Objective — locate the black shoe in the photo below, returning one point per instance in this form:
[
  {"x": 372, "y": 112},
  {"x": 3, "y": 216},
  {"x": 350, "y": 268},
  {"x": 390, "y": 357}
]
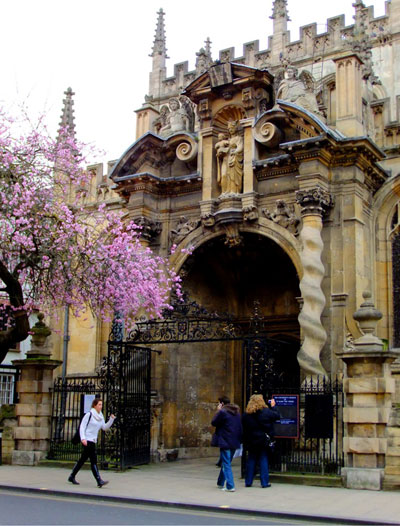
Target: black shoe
[
  {"x": 267, "y": 486},
  {"x": 72, "y": 479},
  {"x": 248, "y": 485},
  {"x": 101, "y": 483}
]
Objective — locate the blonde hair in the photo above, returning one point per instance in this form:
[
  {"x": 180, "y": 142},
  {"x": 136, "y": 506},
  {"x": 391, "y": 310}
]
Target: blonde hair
[{"x": 256, "y": 403}]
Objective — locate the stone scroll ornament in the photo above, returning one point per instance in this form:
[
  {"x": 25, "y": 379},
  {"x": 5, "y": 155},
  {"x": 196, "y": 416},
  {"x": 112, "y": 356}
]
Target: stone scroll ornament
[
  {"x": 314, "y": 205},
  {"x": 187, "y": 150}
]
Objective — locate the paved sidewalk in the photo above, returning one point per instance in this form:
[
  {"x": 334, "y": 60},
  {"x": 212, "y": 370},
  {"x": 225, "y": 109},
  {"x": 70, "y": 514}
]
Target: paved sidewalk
[{"x": 193, "y": 483}]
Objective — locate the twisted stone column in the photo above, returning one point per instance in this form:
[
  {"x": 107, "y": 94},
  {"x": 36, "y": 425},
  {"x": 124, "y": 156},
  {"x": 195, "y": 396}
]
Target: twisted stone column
[{"x": 314, "y": 204}]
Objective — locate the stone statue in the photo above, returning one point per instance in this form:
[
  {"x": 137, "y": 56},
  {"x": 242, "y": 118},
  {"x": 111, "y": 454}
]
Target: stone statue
[
  {"x": 298, "y": 89},
  {"x": 230, "y": 160},
  {"x": 203, "y": 62},
  {"x": 177, "y": 116}
]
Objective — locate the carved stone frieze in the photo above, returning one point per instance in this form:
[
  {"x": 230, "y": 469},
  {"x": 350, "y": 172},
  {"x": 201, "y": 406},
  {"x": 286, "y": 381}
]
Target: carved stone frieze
[
  {"x": 204, "y": 110},
  {"x": 183, "y": 228},
  {"x": 248, "y": 98},
  {"x": 284, "y": 215},
  {"x": 149, "y": 229},
  {"x": 233, "y": 237},
  {"x": 314, "y": 201},
  {"x": 208, "y": 220},
  {"x": 349, "y": 343},
  {"x": 250, "y": 213}
]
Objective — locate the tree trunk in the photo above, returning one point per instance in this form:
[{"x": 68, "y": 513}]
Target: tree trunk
[{"x": 20, "y": 330}]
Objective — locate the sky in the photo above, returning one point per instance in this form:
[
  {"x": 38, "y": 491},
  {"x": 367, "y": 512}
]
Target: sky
[{"x": 101, "y": 49}]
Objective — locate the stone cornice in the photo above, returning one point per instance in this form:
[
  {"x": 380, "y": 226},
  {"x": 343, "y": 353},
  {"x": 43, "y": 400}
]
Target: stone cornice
[{"x": 152, "y": 184}]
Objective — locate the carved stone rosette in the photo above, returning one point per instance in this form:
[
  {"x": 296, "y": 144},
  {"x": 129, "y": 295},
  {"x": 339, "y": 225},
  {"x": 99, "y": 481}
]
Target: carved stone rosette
[{"x": 314, "y": 203}]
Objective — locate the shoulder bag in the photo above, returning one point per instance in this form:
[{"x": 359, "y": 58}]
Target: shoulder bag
[{"x": 76, "y": 439}]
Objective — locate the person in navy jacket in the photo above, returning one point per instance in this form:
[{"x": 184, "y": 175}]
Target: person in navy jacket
[{"x": 227, "y": 437}]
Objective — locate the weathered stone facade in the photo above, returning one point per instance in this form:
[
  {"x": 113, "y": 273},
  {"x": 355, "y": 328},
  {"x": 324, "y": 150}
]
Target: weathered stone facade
[{"x": 279, "y": 170}]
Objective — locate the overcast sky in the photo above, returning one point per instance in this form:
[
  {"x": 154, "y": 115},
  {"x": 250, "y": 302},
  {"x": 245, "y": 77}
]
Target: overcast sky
[{"x": 100, "y": 48}]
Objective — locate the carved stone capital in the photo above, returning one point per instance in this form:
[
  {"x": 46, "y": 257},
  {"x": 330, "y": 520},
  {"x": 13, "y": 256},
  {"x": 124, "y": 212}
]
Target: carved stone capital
[{"x": 314, "y": 201}]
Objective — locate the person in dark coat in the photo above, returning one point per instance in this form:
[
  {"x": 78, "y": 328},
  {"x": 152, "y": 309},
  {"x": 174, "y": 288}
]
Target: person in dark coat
[
  {"x": 227, "y": 437},
  {"x": 258, "y": 420}
]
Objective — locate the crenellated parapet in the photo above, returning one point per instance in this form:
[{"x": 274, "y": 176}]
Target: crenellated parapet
[{"x": 313, "y": 47}]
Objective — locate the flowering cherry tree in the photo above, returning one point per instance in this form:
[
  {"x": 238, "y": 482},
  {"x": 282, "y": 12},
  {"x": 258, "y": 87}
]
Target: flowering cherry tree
[{"x": 54, "y": 251}]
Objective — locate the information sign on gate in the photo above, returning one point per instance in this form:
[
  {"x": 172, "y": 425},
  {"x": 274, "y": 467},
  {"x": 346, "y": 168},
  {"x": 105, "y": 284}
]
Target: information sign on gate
[{"x": 288, "y": 407}]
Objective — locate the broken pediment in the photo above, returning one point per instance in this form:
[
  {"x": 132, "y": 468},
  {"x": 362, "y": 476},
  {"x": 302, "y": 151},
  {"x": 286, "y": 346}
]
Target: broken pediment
[
  {"x": 154, "y": 155},
  {"x": 228, "y": 81}
]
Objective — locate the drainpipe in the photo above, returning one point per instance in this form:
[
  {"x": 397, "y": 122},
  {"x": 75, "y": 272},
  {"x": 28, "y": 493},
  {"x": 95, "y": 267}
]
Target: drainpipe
[{"x": 66, "y": 340}]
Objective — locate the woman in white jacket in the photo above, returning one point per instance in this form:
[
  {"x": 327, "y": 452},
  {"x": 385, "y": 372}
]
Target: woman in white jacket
[{"x": 90, "y": 426}]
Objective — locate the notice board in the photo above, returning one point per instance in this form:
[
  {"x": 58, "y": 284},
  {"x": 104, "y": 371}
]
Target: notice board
[{"x": 288, "y": 407}]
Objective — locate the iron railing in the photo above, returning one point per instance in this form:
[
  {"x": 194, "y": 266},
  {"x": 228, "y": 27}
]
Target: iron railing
[
  {"x": 69, "y": 398},
  {"x": 318, "y": 447}
]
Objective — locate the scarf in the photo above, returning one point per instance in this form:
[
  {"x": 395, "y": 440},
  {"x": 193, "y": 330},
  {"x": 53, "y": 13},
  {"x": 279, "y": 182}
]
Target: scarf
[{"x": 97, "y": 416}]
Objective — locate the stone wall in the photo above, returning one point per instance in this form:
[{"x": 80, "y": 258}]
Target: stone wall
[{"x": 8, "y": 421}]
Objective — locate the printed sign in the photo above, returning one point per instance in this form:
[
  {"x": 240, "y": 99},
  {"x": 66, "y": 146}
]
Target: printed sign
[
  {"x": 87, "y": 402},
  {"x": 288, "y": 407}
]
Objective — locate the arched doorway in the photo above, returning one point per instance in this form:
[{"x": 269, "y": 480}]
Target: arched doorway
[{"x": 229, "y": 281}]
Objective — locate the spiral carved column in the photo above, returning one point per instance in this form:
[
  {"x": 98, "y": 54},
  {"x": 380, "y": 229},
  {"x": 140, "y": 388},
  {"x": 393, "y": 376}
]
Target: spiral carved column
[{"x": 314, "y": 204}]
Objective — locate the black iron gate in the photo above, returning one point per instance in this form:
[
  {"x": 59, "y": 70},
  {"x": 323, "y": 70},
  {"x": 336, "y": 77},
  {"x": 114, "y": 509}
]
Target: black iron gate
[
  {"x": 123, "y": 383},
  {"x": 127, "y": 373}
]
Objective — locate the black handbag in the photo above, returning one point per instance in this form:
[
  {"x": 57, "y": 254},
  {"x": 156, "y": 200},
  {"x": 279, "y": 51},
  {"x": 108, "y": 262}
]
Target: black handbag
[
  {"x": 76, "y": 439},
  {"x": 270, "y": 443}
]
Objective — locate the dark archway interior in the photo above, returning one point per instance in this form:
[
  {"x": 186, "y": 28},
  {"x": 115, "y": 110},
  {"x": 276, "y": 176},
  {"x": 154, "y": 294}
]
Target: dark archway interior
[
  {"x": 193, "y": 375},
  {"x": 224, "y": 279}
]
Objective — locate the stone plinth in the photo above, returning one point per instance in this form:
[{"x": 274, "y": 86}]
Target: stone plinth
[
  {"x": 369, "y": 388},
  {"x": 32, "y": 433}
]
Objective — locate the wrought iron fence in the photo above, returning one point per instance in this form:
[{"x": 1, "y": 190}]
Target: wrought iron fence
[
  {"x": 70, "y": 396},
  {"x": 123, "y": 383},
  {"x": 318, "y": 447}
]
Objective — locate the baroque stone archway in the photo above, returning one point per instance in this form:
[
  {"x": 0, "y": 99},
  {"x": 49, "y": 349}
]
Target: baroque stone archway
[{"x": 223, "y": 279}]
